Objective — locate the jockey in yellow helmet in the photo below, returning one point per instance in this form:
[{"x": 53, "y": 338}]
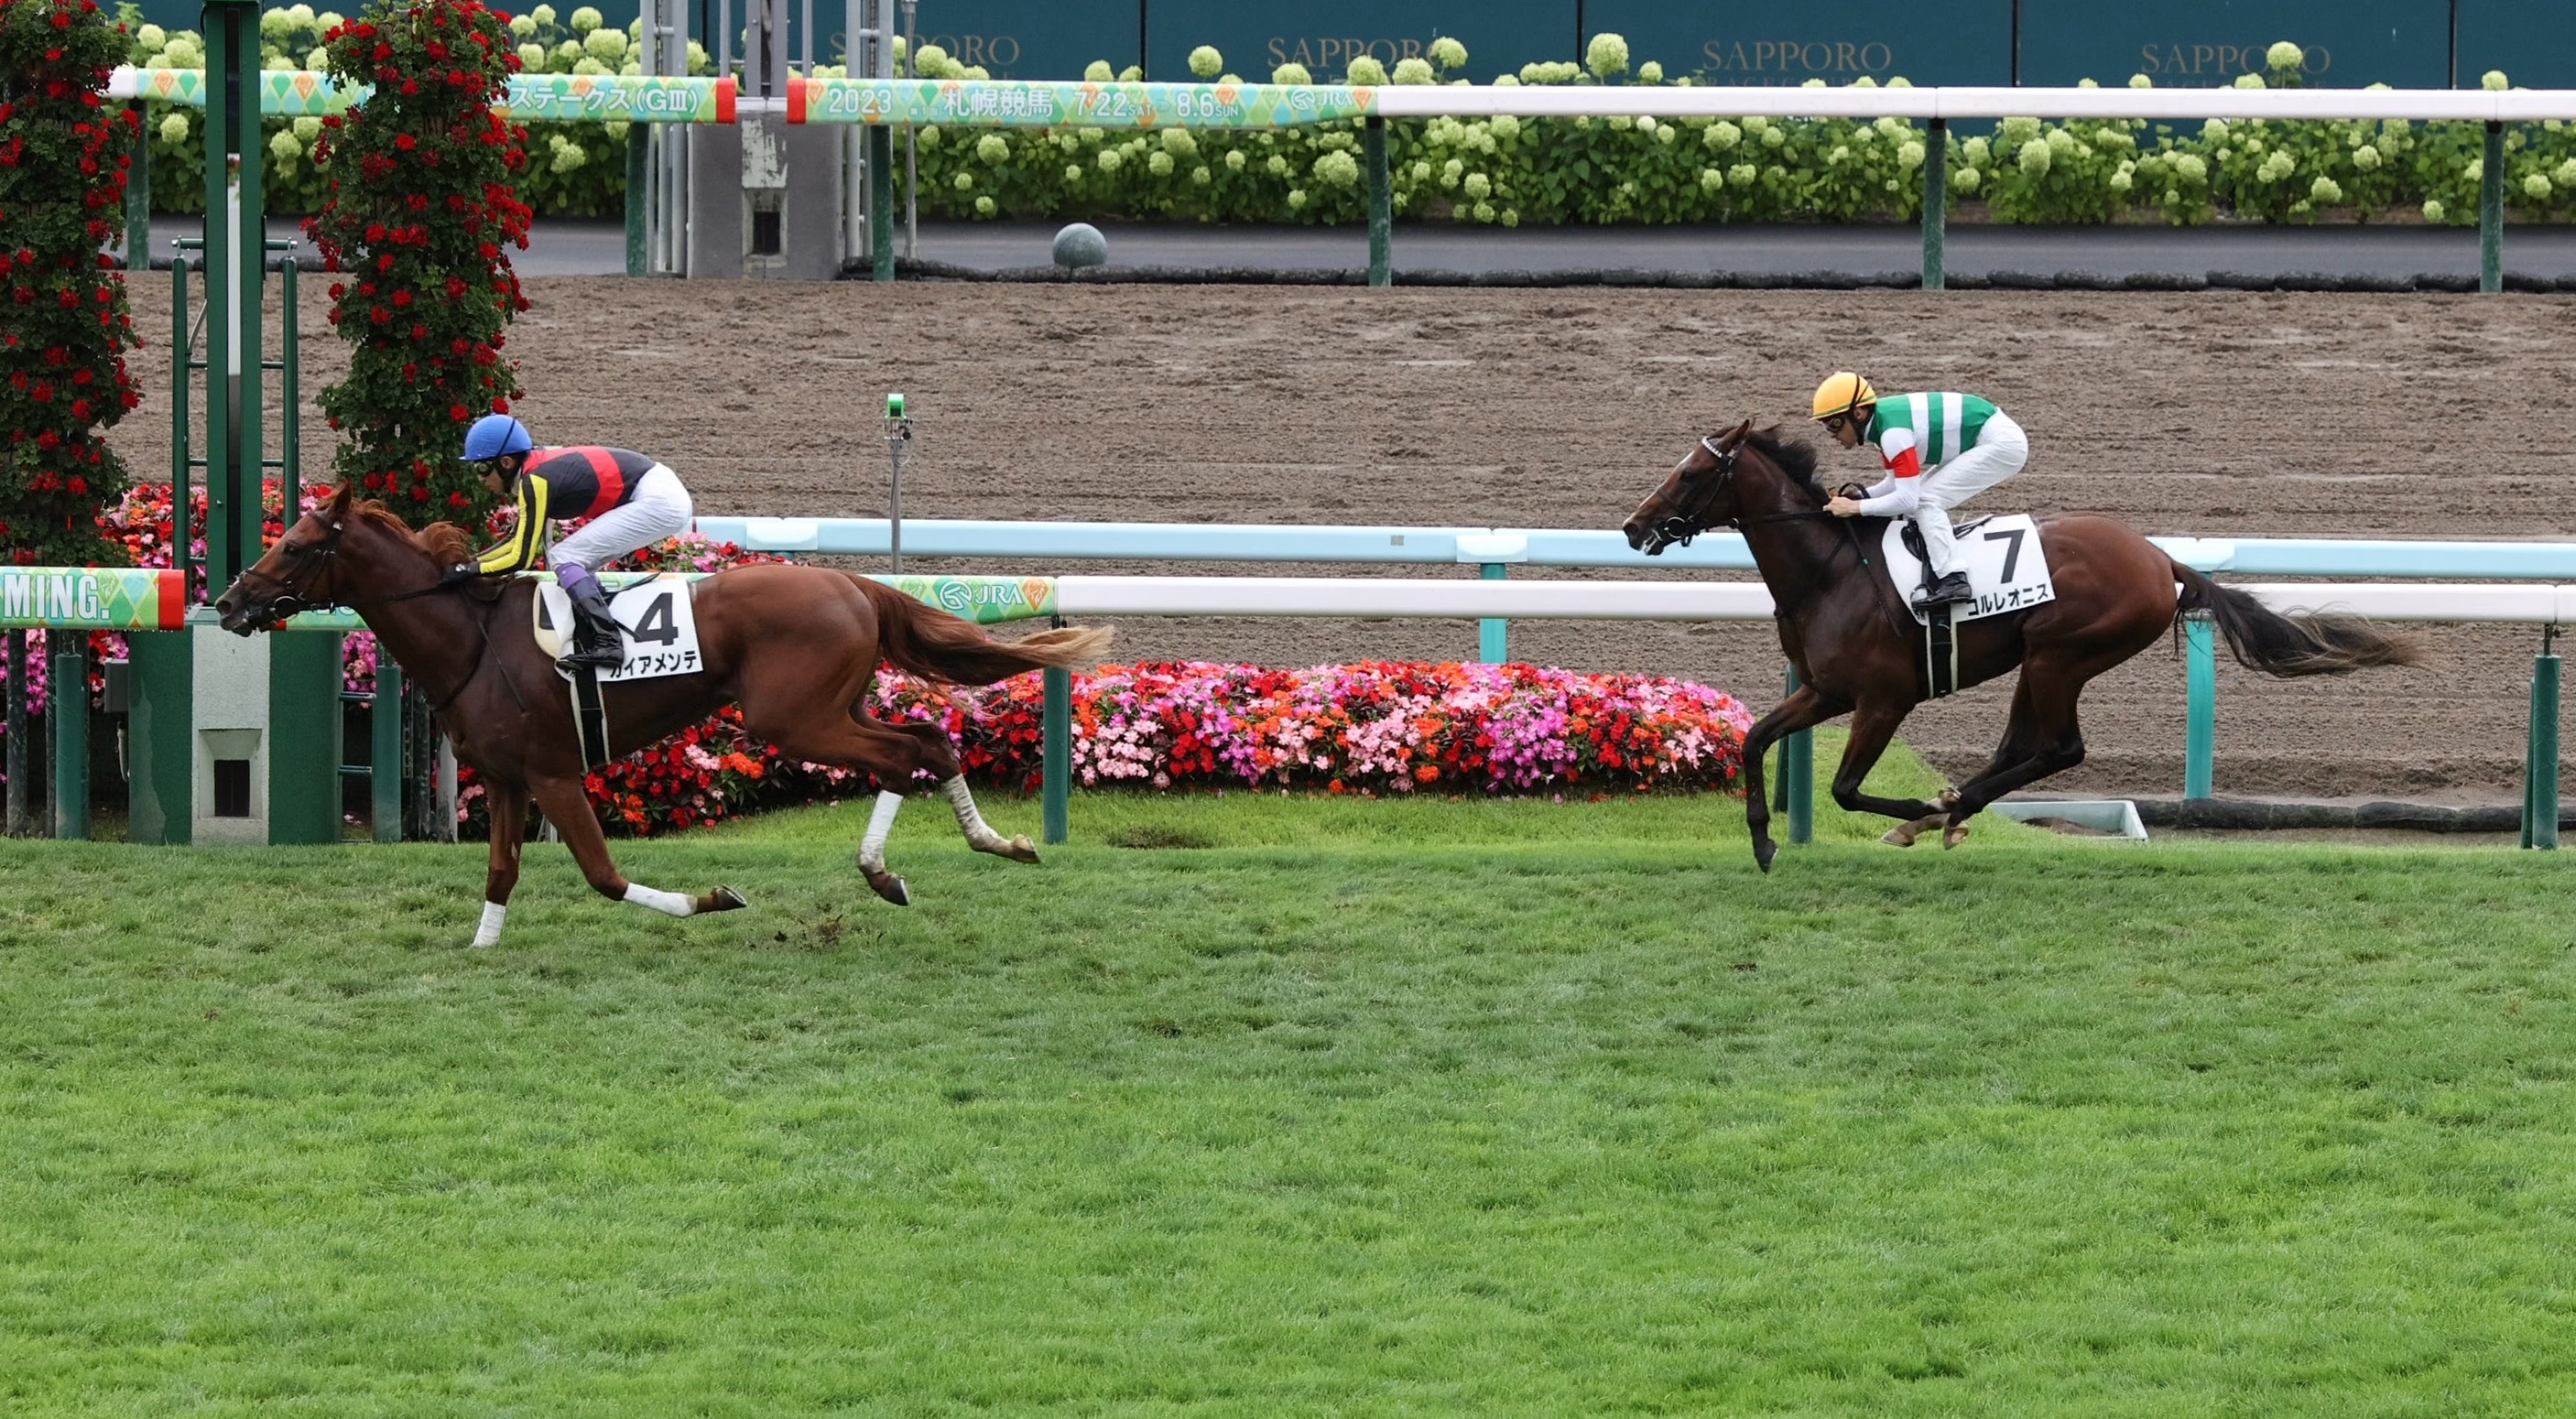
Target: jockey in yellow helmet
[{"x": 1937, "y": 450}]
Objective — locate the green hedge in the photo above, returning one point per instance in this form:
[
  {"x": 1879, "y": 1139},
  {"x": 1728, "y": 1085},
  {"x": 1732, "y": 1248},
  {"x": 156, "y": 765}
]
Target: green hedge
[{"x": 1510, "y": 171}]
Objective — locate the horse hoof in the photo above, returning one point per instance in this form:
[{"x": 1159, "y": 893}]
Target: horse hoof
[
  {"x": 1021, "y": 849},
  {"x": 1763, "y": 852},
  {"x": 724, "y": 899},
  {"x": 890, "y": 887},
  {"x": 1902, "y": 835},
  {"x": 1954, "y": 835}
]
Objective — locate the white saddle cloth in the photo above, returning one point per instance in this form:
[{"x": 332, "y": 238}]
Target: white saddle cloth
[
  {"x": 2007, "y": 568},
  {"x": 656, "y": 616}
]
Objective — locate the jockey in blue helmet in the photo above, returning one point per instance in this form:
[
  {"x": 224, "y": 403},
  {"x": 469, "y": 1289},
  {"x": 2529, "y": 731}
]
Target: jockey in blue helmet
[{"x": 630, "y": 500}]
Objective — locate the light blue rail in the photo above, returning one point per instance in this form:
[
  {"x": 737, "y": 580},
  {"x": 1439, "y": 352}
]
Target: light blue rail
[
  {"x": 1562, "y": 547},
  {"x": 1494, "y": 550}
]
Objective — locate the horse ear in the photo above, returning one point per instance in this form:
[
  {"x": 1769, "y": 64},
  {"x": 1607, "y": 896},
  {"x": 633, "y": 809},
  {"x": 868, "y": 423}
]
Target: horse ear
[
  {"x": 340, "y": 499},
  {"x": 1736, "y": 435}
]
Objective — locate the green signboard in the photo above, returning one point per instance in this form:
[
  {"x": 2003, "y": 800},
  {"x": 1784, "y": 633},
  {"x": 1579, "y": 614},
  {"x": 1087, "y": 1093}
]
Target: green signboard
[
  {"x": 1739, "y": 42},
  {"x": 2535, "y": 45},
  {"x": 2207, "y": 43}
]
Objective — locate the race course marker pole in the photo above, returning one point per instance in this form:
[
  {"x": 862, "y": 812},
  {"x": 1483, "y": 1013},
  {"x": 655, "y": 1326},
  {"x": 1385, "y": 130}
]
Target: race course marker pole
[
  {"x": 898, "y": 436},
  {"x": 1936, "y": 201}
]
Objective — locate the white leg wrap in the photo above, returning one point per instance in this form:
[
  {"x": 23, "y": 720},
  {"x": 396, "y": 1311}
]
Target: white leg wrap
[
  {"x": 671, "y": 903},
  {"x": 977, "y": 831},
  {"x": 489, "y": 933},
  {"x": 880, "y": 823}
]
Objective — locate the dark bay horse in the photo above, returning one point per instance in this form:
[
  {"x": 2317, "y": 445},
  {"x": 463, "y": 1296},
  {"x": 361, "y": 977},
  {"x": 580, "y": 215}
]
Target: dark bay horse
[
  {"x": 1857, "y": 649},
  {"x": 795, "y": 646}
]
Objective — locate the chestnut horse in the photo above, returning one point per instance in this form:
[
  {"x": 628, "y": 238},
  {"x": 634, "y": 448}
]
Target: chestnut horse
[
  {"x": 796, "y": 646},
  {"x": 1857, "y": 648}
]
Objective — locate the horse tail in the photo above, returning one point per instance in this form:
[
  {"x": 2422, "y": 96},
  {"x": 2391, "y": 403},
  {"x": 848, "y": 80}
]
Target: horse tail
[
  {"x": 934, "y": 644},
  {"x": 2263, "y": 639}
]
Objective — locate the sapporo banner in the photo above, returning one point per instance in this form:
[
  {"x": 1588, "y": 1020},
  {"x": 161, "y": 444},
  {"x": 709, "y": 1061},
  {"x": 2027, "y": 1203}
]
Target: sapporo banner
[
  {"x": 1324, "y": 36},
  {"x": 1776, "y": 45},
  {"x": 2210, "y": 43}
]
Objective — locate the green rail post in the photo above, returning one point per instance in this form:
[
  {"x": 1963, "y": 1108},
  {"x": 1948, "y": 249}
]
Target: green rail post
[
  {"x": 881, "y": 201},
  {"x": 70, "y": 713},
  {"x": 2540, "y": 767},
  {"x": 138, "y": 196},
  {"x": 1798, "y": 772},
  {"x": 1057, "y": 751},
  {"x": 385, "y": 751},
  {"x": 1936, "y": 202},
  {"x": 19, "y": 759},
  {"x": 182, "y": 512},
  {"x": 2491, "y": 211},
  {"x": 236, "y": 250},
  {"x": 290, "y": 451},
  {"x": 1493, "y": 633},
  {"x": 2200, "y": 732},
  {"x": 1381, "y": 204},
  {"x": 639, "y": 151}
]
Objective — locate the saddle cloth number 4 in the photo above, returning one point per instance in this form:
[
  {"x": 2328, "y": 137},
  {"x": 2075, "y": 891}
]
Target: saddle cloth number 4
[
  {"x": 656, "y": 617},
  {"x": 2007, "y": 568}
]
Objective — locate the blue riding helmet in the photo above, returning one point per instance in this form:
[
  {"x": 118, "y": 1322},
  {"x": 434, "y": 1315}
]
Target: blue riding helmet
[{"x": 494, "y": 435}]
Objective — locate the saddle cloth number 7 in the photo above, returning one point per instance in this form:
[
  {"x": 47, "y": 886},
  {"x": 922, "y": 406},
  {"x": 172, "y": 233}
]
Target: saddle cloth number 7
[{"x": 2007, "y": 568}]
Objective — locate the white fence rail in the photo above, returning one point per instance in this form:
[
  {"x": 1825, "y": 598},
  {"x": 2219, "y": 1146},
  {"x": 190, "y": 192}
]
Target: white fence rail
[{"x": 1381, "y": 597}]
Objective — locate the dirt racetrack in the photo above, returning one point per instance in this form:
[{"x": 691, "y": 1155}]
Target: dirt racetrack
[{"x": 2206, "y": 413}]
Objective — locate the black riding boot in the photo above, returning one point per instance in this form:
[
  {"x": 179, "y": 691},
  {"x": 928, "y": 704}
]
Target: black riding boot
[
  {"x": 1948, "y": 590},
  {"x": 595, "y": 641}
]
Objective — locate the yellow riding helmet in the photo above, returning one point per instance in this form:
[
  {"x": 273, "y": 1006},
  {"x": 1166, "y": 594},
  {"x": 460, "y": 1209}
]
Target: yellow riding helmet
[{"x": 1841, "y": 393}]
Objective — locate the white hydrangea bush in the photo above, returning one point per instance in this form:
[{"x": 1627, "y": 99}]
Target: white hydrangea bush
[{"x": 1507, "y": 171}]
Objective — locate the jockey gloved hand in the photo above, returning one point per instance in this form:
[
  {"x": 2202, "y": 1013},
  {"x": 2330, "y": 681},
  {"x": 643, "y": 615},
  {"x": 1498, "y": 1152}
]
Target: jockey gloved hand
[
  {"x": 458, "y": 574},
  {"x": 1853, "y": 491}
]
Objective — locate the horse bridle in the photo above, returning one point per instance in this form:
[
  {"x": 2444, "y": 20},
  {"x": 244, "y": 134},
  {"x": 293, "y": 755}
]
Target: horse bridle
[
  {"x": 290, "y": 599},
  {"x": 1679, "y": 528}
]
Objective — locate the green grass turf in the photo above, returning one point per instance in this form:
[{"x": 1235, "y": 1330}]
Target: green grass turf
[{"x": 1380, "y": 1108}]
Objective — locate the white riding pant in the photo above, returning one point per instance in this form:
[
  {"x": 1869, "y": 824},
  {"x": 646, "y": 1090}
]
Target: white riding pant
[
  {"x": 2002, "y": 448},
  {"x": 660, "y": 509}
]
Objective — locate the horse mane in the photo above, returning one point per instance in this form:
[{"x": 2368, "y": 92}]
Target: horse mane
[
  {"x": 1793, "y": 456},
  {"x": 445, "y": 541}
]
